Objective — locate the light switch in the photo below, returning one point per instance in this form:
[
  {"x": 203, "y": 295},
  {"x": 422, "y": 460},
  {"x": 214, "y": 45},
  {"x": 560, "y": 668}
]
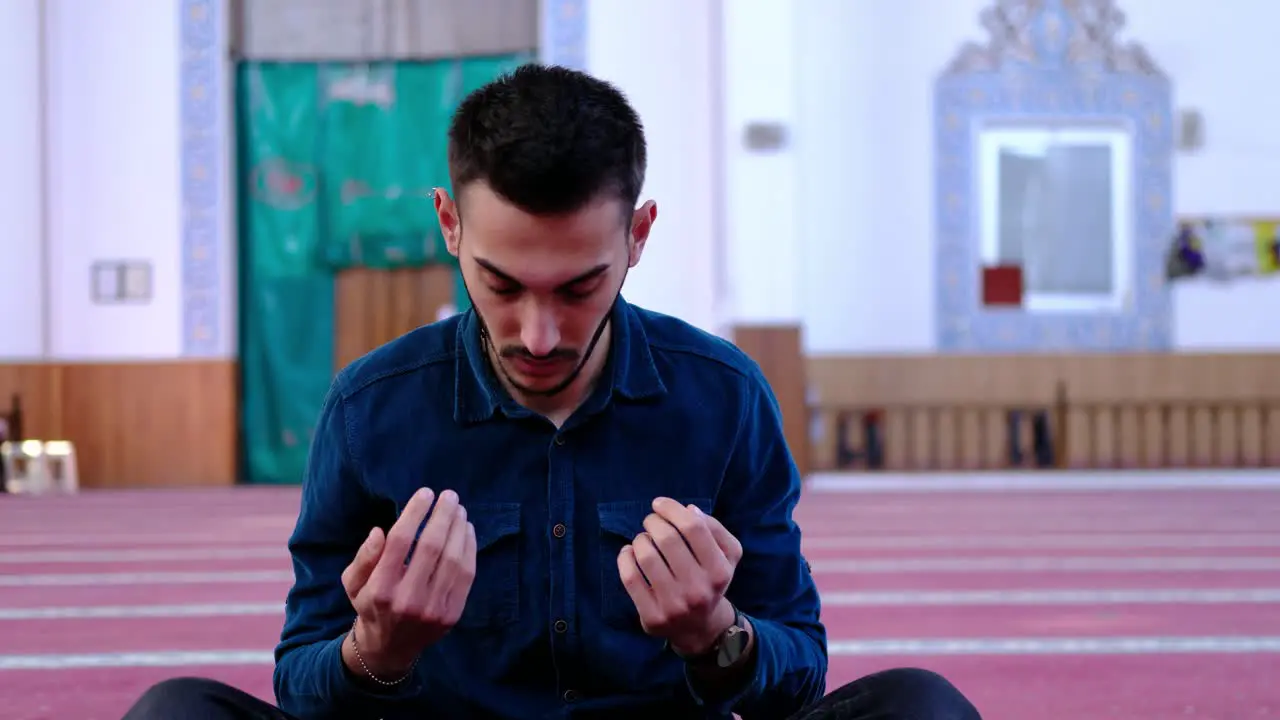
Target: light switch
[{"x": 121, "y": 282}]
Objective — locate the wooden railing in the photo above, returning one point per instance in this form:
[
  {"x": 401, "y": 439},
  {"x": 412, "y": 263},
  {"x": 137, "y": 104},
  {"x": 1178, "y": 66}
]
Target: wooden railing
[
  {"x": 1232, "y": 433},
  {"x": 1061, "y": 433}
]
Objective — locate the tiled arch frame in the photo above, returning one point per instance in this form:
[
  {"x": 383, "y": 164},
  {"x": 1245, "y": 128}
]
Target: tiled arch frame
[
  {"x": 564, "y": 33},
  {"x": 1056, "y": 61},
  {"x": 207, "y": 329}
]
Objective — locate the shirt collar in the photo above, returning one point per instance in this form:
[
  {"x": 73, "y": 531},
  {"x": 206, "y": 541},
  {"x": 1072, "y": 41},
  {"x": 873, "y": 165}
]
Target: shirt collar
[{"x": 630, "y": 371}]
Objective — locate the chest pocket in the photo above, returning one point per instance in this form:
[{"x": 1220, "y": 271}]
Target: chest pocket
[
  {"x": 620, "y": 523},
  {"x": 494, "y": 600}
]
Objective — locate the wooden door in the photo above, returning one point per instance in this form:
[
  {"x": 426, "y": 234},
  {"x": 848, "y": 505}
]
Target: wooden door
[{"x": 377, "y": 306}]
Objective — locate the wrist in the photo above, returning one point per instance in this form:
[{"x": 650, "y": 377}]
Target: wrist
[
  {"x": 722, "y": 618},
  {"x": 370, "y": 663}
]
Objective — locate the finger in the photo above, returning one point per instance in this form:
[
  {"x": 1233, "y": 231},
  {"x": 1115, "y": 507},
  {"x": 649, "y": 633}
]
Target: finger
[
  {"x": 691, "y": 523},
  {"x": 357, "y": 573},
  {"x": 471, "y": 548},
  {"x": 675, "y": 550},
  {"x": 452, "y": 557},
  {"x": 633, "y": 581},
  {"x": 396, "y": 548},
  {"x": 728, "y": 543},
  {"x": 652, "y": 564},
  {"x": 432, "y": 541},
  {"x": 461, "y": 586}
]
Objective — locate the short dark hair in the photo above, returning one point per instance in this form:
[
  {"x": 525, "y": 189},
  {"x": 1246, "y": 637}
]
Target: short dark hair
[{"x": 549, "y": 140}]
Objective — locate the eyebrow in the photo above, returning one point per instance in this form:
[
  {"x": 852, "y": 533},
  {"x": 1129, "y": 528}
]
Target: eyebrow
[{"x": 506, "y": 277}]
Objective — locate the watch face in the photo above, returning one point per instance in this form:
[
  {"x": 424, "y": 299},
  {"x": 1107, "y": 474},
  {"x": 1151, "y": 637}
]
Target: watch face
[{"x": 732, "y": 647}]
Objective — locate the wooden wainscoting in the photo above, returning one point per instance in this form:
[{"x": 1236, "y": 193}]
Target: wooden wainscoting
[
  {"x": 779, "y": 351},
  {"x": 40, "y": 389},
  {"x": 135, "y": 424},
  {"x": 1121, "y": 410},
  {"x": 376, "y": 306}
]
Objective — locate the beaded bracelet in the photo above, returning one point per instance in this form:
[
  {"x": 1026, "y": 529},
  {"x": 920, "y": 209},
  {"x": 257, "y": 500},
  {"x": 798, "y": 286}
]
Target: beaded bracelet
[{"x": 355, "y": 645}]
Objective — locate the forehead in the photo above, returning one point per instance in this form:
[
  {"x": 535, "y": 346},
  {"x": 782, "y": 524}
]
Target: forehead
[{"x": 541, "y": 248}]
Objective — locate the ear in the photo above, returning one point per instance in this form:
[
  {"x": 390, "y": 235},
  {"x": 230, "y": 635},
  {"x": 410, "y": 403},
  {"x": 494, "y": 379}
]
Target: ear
[
  {"x": 641, "y": 223},
  {"x": 450, "y": 223}
]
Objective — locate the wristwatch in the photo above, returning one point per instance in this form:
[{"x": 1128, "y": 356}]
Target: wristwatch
[{"x": 728, "y": 648}]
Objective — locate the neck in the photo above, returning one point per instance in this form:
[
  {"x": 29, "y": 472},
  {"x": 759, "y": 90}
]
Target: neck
[{"x": 557, "y": 408}]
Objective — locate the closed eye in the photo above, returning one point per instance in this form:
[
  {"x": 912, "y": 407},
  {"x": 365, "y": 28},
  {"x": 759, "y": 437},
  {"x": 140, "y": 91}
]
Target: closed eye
[{"x": 578, "y": 293}]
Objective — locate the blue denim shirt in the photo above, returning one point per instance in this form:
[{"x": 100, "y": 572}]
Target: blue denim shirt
[{"x": 548, "y": 630}]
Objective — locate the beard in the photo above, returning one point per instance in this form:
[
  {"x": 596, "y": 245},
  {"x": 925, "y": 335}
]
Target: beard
[{"x": 486, "y": 342}]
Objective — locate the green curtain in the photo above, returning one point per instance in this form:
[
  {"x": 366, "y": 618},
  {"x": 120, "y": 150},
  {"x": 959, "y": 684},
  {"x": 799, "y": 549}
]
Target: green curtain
[
  {"x": 384, "y": 149},
  {"x": 335, "y": 165},
  {"x": 286, "y": 292}
]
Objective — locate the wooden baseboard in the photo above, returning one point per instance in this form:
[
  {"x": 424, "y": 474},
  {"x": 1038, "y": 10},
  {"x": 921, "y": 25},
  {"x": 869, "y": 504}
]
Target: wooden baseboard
[{"x": 136, "y": 424}]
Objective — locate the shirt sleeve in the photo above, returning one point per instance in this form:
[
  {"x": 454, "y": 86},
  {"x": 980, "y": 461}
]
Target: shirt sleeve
[
  {"x": 772, "y": 584},
  {"x": 335, "y": 517}
]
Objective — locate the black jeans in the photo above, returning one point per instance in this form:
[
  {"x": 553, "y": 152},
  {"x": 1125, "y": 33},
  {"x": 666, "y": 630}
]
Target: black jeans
[{"x": 900, "y": 694}]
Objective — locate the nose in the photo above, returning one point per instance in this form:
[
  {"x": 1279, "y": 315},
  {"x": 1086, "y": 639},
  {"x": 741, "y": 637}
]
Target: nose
[{"x": 539, "y": 331}]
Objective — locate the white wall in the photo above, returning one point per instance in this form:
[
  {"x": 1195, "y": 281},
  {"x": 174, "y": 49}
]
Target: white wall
[
  {"x": 664, "y": 54},
  {"x": 835, "y": 228},
  {"x": 725, "y": 249},
  {"x": 114, "y": 173},
  {"x": 864, "y": 138},
  {"x": 22, "y": 285},
  {"x": 1217, "y": 71},
  {"x": 762, "y": 238}
]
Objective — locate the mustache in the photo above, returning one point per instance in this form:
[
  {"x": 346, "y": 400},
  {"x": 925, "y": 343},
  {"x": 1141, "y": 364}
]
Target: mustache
[{"x": 517, "y": 351}]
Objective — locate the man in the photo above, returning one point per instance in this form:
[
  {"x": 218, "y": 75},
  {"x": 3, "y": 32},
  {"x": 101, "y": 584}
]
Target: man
[{"x": 601, "y": 496}]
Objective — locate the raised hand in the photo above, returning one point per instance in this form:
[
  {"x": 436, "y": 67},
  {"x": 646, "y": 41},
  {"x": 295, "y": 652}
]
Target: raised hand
[
  {"x": 405, "y": 606},
  {"x": 677, "y": 572}
]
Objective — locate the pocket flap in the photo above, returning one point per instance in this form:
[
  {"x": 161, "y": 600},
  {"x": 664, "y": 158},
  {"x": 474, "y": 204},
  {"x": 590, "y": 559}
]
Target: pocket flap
[
  {"x": 493, "y": 522},
  {"x": 626, "y": 518}
]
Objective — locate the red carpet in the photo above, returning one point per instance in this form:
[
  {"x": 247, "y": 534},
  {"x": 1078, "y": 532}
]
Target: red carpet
[{"x": 1040, "y": 605}]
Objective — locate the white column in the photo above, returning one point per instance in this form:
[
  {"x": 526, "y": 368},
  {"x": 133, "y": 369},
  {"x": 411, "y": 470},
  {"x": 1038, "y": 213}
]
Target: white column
[
  {"x": 760, "y": 184},
  {"x": 22, "y": 271},
  {"x": 115, "y": 185},
  {"x": 665, "y": 55}
]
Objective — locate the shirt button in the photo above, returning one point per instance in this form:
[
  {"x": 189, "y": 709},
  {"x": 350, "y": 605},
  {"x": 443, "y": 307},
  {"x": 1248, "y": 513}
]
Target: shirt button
[
  {"x": 559, "y": 439},
  {"x": 571, "y": 696},
  {"x": 559, "y": 530},
  {"x": 561, "y": 626}
]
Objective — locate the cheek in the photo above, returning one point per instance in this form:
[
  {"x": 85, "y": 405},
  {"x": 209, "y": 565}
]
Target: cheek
[
  {"x": 501, "y": 316},
  {"x": 579, "y": 321}
]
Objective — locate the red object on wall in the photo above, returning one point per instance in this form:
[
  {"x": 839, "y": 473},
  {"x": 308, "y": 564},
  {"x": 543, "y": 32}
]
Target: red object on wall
[{"x": 1002, "y": 285}]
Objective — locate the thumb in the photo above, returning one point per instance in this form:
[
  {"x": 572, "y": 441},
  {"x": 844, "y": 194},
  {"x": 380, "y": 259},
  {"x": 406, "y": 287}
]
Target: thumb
[
  {"x": 366, "y": 559},
  {"x": 729, "y": 544}
]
